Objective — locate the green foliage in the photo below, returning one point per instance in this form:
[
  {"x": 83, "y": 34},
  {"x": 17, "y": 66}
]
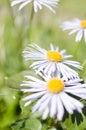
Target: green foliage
[
  {"x": 33, "y": 124},
  {"x": 27, "y": 124},
  {"x": 18, "y": 125},
  {"x": 70, "y": 125},
  {"x": 52, "y": 129}
]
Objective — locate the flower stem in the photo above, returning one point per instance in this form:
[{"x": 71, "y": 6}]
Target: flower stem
[
  {"x": 76, "y": 50},
  {"x": 11, "y": 12},
  {"x": 84, "y": 66},
  {"x": 30, "y": 23}
]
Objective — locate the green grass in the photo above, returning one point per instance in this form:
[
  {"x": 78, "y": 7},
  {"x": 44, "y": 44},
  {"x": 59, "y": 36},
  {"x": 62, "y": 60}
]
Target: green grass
[{"x": 14, "y": 30}]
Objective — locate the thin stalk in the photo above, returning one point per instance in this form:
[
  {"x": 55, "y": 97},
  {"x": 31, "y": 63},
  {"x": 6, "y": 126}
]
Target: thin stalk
[
  {"x": 76, "y": 50},
  {"x": 30, "y": 23},
  {"x": 84, "y": 68},
  {"x": 11, "y": 12},
  {"x": 18, "y": 32}
]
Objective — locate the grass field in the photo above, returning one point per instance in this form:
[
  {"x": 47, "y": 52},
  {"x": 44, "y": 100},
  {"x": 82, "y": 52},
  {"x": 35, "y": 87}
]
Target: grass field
[{"x": 15, "y": 36}]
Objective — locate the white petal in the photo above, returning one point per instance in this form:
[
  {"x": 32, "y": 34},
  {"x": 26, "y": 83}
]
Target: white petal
[
  {"x": 15, "y": 2},
  {"x": 74, "y": 104},
  {"x": 85, "y": 35},
  {"x": 67, "y": 104},
  {"x": 37, "y": 6},
  {"x": 45, "y": 113},
  {"x": 79, "y": 35},
  {"x": 52, "y": 47},
  {"x": 35, "y": 79},
  {"x": 73, "y": 31},
  {"x": 33, "y": 90},
  {"x": 38, "y": 104},
  {"x": 33, "y": 96},
  {"x": 45, "y": 103},
  {"x": 24, "y": 4},
  {"x": 28, "y": 103},
  {"x": 53, "y": 106},
  {"x": 60, "y": 109},
  {"x": 74, "y": 64}
]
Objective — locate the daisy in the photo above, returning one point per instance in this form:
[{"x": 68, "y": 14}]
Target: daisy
[
  {"x": 36, "y": 3},
  {"x": 51, "y": 61},
  {"x": 53, "y": 95},
  {"x": 76, "y": 25}
]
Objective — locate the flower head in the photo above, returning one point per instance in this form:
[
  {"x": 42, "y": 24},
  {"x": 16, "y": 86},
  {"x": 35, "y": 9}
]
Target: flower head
[
  {"x": 76, "y": 25},
  {"x": 36, "y": 3},
  {"x": 53, "y": 94},
  {"x": 51, "y": 61}
]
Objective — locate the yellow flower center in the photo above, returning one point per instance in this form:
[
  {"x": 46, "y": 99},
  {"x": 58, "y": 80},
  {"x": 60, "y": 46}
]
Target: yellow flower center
[
  {"x": 83, "y": 23},
  {"x": 55, "y": 85},
  {"x": 54, "y": 56}
]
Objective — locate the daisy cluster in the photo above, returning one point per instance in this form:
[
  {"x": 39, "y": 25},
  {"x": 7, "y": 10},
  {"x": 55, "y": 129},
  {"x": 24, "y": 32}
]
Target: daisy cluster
[{"x": 58, "y": 85}]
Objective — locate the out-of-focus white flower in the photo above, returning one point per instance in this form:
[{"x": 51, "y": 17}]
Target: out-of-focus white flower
[
  {"x": 53, "y": 94},
  {"x": 36, "y": 3},
  {"x": 76, "y": 25},
  {"x": 51, "y": 61}
]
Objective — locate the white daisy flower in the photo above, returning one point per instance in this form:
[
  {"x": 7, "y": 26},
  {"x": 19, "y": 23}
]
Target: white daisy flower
[
  {"x": 53, "y": 94},
  {"x": 36, "y": 3},
  {"x": 51, "y": 61},
  {"x": 76, "y": 25}
]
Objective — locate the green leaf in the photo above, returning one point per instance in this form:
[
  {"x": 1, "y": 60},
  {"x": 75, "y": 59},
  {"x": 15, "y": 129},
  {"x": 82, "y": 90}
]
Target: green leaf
[
  {"x": 82, "y": 126},
  {"x": 44, "y": 126},
  {"x": 33, "y": 124},
  {"x": 17, "y": 79},
  {"x": 52, "y": 129},
  {"x": 70, "y": 125},
  {"x": 19, "y": 124},
  {"x": 36, "y": 114}
]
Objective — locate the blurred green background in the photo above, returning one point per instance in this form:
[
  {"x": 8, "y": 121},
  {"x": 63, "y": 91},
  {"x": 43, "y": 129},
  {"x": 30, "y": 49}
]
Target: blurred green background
[{"x": 15, "y": 36}]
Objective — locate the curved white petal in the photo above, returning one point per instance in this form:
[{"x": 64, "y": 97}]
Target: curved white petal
[
  {"x": 53, "y": 106},
  {"x": 85, "y": 35},
  {"x": 60, "y": 108},
  {"x": 79, "y": 35},
  {"x": 39, "y": 102},
  {"x": 45, "y": 113}
]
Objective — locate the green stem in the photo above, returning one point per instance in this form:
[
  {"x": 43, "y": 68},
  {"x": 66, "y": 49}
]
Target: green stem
[
  {"x": 11, "y": 12},
  {"x": 76, "y": 50},
  {"x": 84, "y": 69},
  {"x": 30, "y": 23},
  {"x": 63, "y": 126},
  {"x": 84, "y": 63}
]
